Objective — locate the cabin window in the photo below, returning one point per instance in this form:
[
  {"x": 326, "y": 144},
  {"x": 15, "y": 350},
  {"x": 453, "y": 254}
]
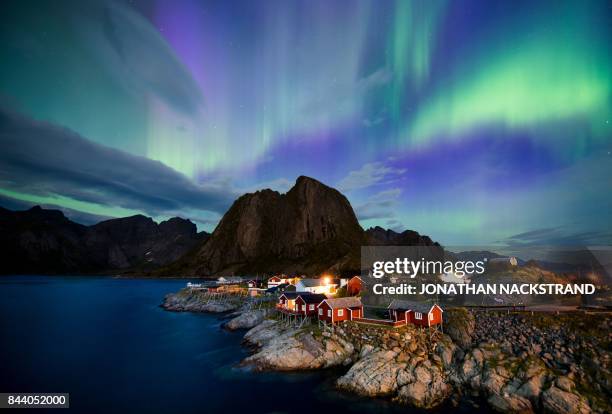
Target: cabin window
[
  {"x": 431, "y": 316},
  {"x": 303, "y": 308},
  {"x": 329, "y": 312},
  {"x": 321, "y": 312},
  {"x": 418, "y": 315},
  {"x": 311, "y": 307},
  {"x": 340, "y": 312}
]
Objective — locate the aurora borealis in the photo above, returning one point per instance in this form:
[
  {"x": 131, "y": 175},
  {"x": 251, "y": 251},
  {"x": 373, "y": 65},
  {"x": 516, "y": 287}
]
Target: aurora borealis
[{"x": 470, "y": 121}]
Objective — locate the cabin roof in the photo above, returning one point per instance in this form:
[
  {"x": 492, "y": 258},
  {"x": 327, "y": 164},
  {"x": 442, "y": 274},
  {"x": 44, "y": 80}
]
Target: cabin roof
[
  {"x": 312, "y": 297},
  {"x": 422, "y": 307},
  {"x": 290, "y": 295},
  {"x": 348, "y": 302},
  {"x": 313, "y": 282}
]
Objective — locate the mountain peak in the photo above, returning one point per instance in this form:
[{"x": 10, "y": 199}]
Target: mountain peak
[
  {"x": 304, "y": 180},
  {"x": 43, "y": 213}
]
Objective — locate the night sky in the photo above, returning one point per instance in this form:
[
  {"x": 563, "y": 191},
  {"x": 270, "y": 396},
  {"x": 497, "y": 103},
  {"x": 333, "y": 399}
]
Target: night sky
[{"x": 471, "y": 121}]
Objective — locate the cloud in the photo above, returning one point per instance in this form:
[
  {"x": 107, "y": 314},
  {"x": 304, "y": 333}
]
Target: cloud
[
  {"x": 132, "y": 49},
  {"x": 39, "y": 158},
  {"x": 395, "y": 225},
  {"x": 342, "y": 102},
  {"x": 558, "y": 236},
  {"x": 382, "y": 205},
  {"x": 370, "y": 174}
]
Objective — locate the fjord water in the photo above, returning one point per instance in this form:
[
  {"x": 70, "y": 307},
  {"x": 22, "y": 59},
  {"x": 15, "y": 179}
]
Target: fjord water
[{"x": 107, "y": 342}]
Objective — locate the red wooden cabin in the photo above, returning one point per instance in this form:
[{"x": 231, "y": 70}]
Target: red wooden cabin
[
  {"x": 286, "y": 301},
  {"x": 307, "y": 303},
  {"x": 340, "y": 309},
  {"x": 354, "y": 286},
  {"x": 416, "y": 313}
]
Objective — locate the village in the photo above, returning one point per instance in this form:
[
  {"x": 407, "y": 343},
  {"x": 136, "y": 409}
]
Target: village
[
  {"x": 325, "y": 300},
  {"x": 415, "y": 353}
]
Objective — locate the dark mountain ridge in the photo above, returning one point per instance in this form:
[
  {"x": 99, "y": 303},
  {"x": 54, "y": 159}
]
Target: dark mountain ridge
[
  {"x": 310, "y": 229},
  {"x": 379, "y": 236},
  {"x": 45, "y": 241}
]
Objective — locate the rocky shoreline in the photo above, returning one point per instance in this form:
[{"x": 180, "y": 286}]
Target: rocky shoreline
[{"x": 518, "y": 363}]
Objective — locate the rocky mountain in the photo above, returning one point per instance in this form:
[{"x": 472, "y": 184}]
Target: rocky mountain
[
  {"x": 45, "y": 241},
  {"x": 379, "y": 236},
  {"x": 310, "y": 229}
]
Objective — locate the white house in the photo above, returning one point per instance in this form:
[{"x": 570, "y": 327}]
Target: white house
[
  {"x": 323, "y": 286},
  {"x": 229, "y": 279}
]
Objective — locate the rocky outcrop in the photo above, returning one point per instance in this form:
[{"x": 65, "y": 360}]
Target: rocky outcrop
[
  {"x": 512, "y": 370},
  {"x": 263, "y": 333},
  {"x": 459, "y": 325},
  {"x": 539, "y": 363},
  {"x": 188, "y": 300},
  {"x": 374, "y": 375},
  {"x": 399, "y": 364},
  {"x": 510, "y": 404},
  {"x": 555, "y": 400},
  {"x": 247, "y": 319},
  {"x": 292, "y": 350},
  {"x": 405, "y": 365},
  {"x": 429, "y": 388},
  {"x": 45, "y": 242},
  {"x": 386, "y": 373}
]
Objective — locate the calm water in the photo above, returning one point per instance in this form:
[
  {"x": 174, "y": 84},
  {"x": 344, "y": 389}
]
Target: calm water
[{"x": 108, "y": 343}]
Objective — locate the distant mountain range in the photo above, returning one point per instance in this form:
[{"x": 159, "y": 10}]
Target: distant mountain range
[
  {"x": 579, "y": 261},
  {"x": 46, "y": 242},
  {"x": 310, "y": 229}
]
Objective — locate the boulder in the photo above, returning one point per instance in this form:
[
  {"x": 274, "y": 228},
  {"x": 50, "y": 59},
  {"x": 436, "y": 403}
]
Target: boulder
[
  {"x": 565, "y": 384},
  {"x": 425, "y": 394},
  {"x": 459, "y": 325},
  {"x": 263, "y": 333},
  {"x": 492, "y": 382},
  {"x": 470, "y": 368},
  {"x": 295, "y": 350},
  {"x": 187, "y": 301},
  {"x": 374, "y": 375},
  {"x": 557, "y": 401},
  {"x": 422, "y": 374},
  {"x": 247, "y": 320},
  {"x": 445, "y": 348},
  {"x": 510, "y": 404}
]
